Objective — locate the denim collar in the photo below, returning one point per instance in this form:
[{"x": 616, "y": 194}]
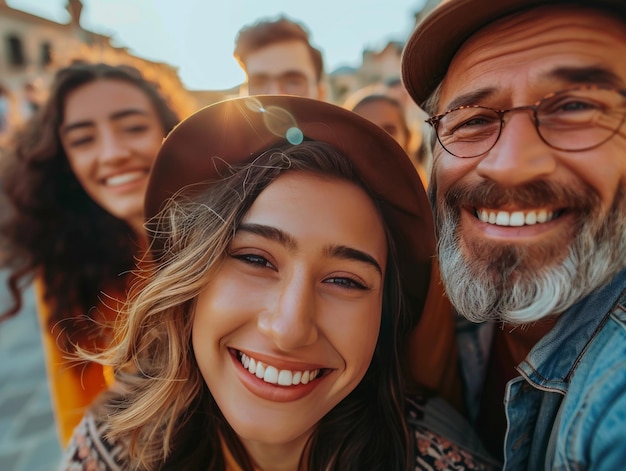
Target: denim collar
[{"x": 552, "y": 361}]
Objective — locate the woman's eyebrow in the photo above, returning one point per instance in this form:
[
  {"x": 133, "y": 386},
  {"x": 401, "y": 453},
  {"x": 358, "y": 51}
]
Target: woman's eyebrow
[
  {"x": 114, "y": 116},
  {"x": 66, "y": 128},
  {"x": 128, "y": 112},
  {"x": 349, "y": 253},
  {"x": 270, "y": 232}
]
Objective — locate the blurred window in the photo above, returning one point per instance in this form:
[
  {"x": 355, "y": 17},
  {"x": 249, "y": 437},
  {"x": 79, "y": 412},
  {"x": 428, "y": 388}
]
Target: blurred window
[
  {"x": 46, "y": 54},
  {"x": 15, "y": 51}
]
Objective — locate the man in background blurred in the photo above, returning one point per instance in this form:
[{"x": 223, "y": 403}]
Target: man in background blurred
[{"x": 278, "y": 58}]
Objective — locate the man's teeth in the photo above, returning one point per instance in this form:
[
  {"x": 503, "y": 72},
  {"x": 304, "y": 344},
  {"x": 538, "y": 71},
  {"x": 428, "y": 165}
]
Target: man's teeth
[
  {"x": 515, "y": 218},
  {"x": 124, "y": 178},
  {"x": 272, "y": 375}
]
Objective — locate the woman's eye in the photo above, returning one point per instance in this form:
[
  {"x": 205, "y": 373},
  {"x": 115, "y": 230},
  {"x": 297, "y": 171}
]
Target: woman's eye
[
  {"x": 79, "y": 141},
  {"x": 253, "y": 259},
  {"x": 137, "y": 129},
  {"x": 346, "y": 282}
]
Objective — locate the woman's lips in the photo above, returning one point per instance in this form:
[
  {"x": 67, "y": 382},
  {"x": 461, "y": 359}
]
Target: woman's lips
[
  {"x": 125, "y": 178},
  {"x": 273, "y": 383},
  {"x": 271, "y": 374}
]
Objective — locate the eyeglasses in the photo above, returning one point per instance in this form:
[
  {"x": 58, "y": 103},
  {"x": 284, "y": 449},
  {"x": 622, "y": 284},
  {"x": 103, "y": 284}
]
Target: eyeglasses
[
  {"x": 572, "y": 120},
  {"x": 291, "y": 83}
]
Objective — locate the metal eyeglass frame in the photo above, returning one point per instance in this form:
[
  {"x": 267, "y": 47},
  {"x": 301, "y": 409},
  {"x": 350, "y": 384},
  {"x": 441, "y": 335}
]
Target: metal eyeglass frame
[{"x": 435, "y": 119}]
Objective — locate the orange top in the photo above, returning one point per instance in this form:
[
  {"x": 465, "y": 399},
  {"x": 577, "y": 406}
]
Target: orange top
[{"x": 73, "y": 387}]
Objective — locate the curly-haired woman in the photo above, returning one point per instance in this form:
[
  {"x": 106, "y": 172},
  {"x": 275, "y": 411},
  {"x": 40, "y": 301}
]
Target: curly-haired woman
[{"x": 74, "y": 181}]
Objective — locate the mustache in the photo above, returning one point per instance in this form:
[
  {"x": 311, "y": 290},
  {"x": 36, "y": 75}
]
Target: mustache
[{"x": 488, "y": 194}]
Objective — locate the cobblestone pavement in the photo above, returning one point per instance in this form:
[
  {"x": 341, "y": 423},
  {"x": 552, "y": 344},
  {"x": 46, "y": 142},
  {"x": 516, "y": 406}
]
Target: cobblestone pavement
[{"x": 28, "y": 440}]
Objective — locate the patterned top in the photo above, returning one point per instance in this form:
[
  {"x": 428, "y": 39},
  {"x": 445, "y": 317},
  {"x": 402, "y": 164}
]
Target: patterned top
[{"x": 90, "y": 451}]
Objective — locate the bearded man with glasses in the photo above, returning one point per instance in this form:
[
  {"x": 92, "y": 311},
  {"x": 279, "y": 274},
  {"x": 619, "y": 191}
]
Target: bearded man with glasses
[{"x": 528, "y": 188}]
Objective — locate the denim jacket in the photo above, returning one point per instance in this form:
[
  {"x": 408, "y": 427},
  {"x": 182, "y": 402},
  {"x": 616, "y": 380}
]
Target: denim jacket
[{"x": 567, "y": 410}]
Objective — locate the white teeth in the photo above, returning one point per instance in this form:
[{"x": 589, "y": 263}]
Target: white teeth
[
  {"x": 285, "y": 378},
  {"x": 542, "y": 216},
  {"x": 502, "y": 219},
  {"x": 260, "y": 371},
  {"x": 515, "y": 218},
  {"x": 272, "y": 375},
  {"x": 124, "y": 178}
]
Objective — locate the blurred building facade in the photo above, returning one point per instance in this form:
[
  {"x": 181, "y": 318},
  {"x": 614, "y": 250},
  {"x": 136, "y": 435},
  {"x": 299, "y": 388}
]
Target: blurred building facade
[
  {"x": 32, "y": 48},
  {"x": 378, "y": 67}
]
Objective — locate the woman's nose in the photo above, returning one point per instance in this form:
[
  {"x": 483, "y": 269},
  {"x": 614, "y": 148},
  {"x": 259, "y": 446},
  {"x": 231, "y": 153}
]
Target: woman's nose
[
  {"x": 291, "y": 319},
  {"x": 112, "y": 148}
]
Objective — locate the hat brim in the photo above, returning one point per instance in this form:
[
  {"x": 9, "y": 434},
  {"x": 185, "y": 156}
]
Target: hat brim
[
  {"x": 433, "y": 44},
  {"x": 237, "y": 130}
]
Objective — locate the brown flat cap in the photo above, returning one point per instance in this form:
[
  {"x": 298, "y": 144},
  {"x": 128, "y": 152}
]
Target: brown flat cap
[
  {"x": 238, "y": 130},
  {"x": 439, "y": 36}
]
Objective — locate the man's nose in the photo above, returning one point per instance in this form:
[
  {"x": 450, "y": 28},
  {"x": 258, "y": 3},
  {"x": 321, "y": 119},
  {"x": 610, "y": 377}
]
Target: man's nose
[
  {"x": 274, "y": 87},
  {"x": 520, "y": 155}
]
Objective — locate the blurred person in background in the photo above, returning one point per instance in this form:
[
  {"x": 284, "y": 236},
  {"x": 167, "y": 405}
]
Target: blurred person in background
[
  {"x": 278, "y": 58},
  {"x": 433, "y": 360},
  {"x": 415, "y": 118},
  {"x": 74, "y": 179},
  {"x": 387, "y": 112}
]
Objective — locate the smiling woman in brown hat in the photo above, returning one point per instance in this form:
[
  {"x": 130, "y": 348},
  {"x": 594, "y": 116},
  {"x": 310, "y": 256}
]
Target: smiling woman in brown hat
[{"x": 292, "y": 239}]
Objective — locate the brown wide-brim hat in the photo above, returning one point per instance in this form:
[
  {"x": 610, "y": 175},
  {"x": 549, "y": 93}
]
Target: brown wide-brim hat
[
  {"x": 236, "y": 131},
  {"x": 439, "y": 36}
]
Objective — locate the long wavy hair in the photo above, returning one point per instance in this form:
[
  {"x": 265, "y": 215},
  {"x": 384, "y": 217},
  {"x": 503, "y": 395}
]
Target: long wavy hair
[
  {"x": 51, "y": 227},
  {"x": 161, "y": 409}
]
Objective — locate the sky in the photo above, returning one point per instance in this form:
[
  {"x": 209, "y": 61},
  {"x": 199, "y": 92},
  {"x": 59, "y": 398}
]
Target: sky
[{"x": 197, "y": 36}]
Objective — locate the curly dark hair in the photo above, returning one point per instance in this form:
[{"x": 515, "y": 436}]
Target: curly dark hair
[{"x": 51, "y": 228}]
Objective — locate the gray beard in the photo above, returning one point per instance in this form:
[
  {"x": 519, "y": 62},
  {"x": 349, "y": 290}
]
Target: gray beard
[{"x": 507, "y": 289}]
